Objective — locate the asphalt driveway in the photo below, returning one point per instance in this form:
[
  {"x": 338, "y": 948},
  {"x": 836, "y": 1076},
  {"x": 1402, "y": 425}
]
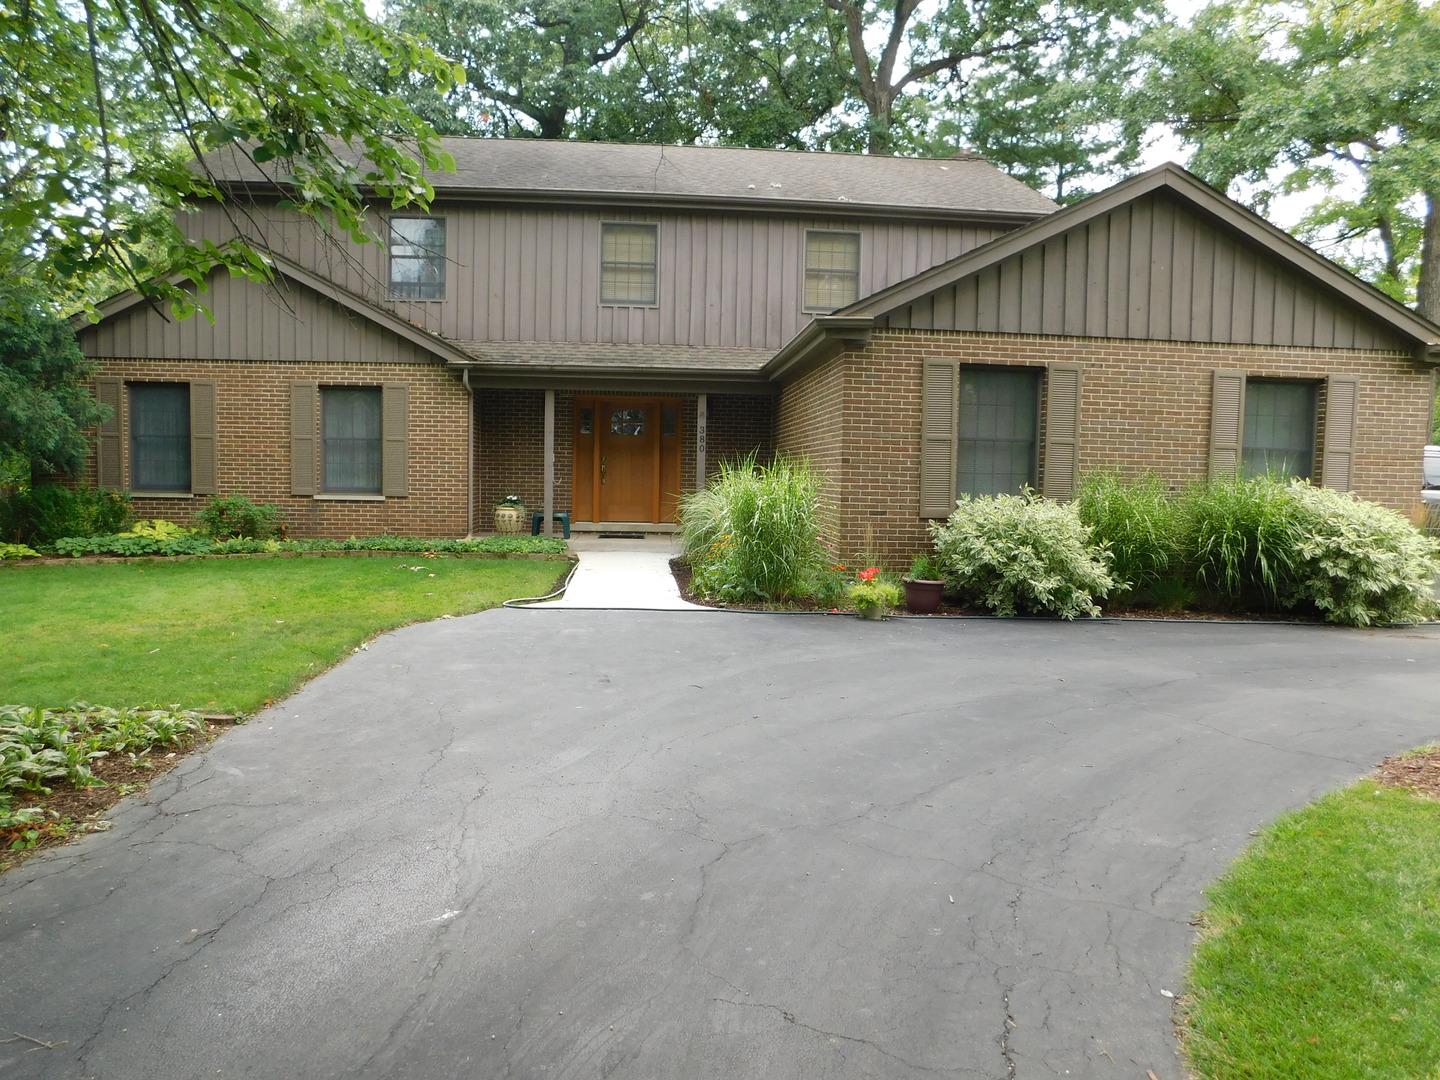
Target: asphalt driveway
[{"x": 697, "y": 845}]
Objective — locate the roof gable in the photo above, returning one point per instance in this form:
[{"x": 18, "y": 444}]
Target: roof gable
[
  {"x": 300, "y": 317},
  {"x": 1161, "y": 256}
]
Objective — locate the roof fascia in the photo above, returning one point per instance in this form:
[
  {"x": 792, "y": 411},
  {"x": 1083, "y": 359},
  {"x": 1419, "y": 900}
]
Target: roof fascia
[
  {"x": 1200, "y": 196},
  {"x": 630, "y": 379},
  {"x": 822, "y": 338}
]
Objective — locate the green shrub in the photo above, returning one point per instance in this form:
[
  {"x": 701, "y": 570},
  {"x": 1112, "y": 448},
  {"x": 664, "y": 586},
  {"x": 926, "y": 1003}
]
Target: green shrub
[
  {"x": 17, "y": 551},
  {"x": 1013, "y": 553},
  {"x": 158, "y": 528},
  {"x": 1143, "y": 527},
  {"x": 190, "y": 543},
  {"x": 752, "y": 532},
  {"x": 1241, "y": 541},
  {"x": 1358, "y": 562},
  {"x": 235, "y": 517},
  {"x": 43, "y": 514}
]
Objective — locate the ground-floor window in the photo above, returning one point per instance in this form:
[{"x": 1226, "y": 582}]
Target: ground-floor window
[
  {"x": 159, "y": 437},
  {"x": 352, "y": 453},
  {"x": 998, "y": 427},
  {"x": 1279, "y": 434}
]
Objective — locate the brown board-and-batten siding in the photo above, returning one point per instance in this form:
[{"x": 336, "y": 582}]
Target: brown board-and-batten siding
[
  {"x": 1148, "y": 270},
  {"x": 516, "y": 273}
]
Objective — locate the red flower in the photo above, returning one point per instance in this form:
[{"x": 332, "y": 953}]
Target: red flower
[{"x": 870, "y": 574}]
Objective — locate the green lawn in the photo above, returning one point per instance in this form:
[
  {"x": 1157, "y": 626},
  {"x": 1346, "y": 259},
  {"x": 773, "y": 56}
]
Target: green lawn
[
  {"x": 223, "y": 634},
  {"x": 1320, "y": 958}
]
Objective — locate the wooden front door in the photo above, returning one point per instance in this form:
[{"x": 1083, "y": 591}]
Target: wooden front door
[{"x": 627, "y": 459}]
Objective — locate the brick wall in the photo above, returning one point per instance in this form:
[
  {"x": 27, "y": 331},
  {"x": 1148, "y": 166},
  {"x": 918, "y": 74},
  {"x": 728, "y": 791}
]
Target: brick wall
[
  {"x": 253, "y": 445},
  {"x": 738, "y": 424},
  {"x": 810, "y": 424},
  {"x": 1145, "y": 406}
]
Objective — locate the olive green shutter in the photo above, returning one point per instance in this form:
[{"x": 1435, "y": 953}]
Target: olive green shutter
[
  {"x": 1227, "y": 421},
  {"x": 109, "y": 436},
  {"x": 395, "y": 439},
  {"x": 202, "y": 438},
  {"x": 1342, "y": 397},
  {"x": 1062, "y": 430},
  {"x": 303, "y": 396},
  {"x": 939, "y": 399}
]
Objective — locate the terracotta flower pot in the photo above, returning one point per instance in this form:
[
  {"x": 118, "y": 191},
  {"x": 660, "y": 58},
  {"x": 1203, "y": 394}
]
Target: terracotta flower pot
[{"x": 922, "y": 597}]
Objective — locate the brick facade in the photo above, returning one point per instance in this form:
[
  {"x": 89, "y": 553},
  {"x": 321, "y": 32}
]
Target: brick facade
[
  {"x": 253, "y": 445},
  {"x": 1145, "y": 406}
]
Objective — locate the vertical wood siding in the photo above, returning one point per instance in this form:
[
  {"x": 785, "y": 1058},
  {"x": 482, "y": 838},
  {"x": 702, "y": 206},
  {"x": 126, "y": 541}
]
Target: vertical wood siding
[
  {"x": 1151, "y": 270},
  {"x": 533, "y": 274},
  {"x": 252, "y": 322}
]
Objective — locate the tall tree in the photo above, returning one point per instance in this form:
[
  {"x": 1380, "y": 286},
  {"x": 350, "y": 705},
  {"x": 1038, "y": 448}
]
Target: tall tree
[
  {"x": 108, "y": 109},
  {"x": 955, "y": 47},
  {"x": 529, "y": 65},
  {"x": 1339, "y": 99},
  {"x": 45, "y": 404}
]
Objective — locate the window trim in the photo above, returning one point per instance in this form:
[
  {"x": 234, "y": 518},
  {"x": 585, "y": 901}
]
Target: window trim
[
  {"x": 1036, "y": 377},
  {"x": 654, "y": 302},
  {"x": 323, "y": 488},
  {"x": 443, "y": 260},
  {"x": 114, "y": 454},
  {"x": 805, "y": 269},
  {"x": 1313, "y": 386},
  {"x": 306, "y": 446},
  {"x": 1337, "y": 417}
]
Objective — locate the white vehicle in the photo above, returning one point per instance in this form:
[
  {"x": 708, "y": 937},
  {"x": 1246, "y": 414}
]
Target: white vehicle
[{"x": 1430, "y": 490}]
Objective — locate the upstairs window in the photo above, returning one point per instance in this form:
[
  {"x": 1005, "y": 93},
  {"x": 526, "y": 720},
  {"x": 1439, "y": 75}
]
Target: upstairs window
[
  {"x": 417, "y": 258},
  {"x": 350, "y": 426},
  {"x": 628, "y": 252},
  {"x": 1279, "y": 435},
  {"x": 160, "y": 437},
  {"x": 832, "y": 270}
]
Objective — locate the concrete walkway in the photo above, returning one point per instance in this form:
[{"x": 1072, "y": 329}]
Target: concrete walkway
[{"x": 631, "y": 574}]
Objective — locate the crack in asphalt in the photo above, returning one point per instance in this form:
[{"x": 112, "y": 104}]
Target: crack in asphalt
[{"x": 790, "y": 1018}]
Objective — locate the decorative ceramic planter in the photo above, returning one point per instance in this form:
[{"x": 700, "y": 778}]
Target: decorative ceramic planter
[
  {"x": 508, "y": 520},
  {"x": 922, "y": 597},
  {"x": 875, "y": 612}
]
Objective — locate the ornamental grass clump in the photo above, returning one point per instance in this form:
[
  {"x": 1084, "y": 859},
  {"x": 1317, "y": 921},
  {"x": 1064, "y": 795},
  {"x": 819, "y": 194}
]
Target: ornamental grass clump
[
  {"x": 1144, "y": 529},
  {"x": 1241, "y": 541},
  {"x": 751, "y": 533},
  {"x": 1357, "y": 562},
  {"x": 1022, "y": 553}
]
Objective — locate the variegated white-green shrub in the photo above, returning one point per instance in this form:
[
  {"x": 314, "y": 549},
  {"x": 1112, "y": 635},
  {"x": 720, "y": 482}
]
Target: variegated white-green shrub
[
  {"x": 1022, "y": 553},
  {"x": 1358, "y": 562}
]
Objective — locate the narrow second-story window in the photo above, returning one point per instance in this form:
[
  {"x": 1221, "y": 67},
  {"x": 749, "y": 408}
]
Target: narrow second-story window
[
  {"x": 417, "y": 258},
  {"x": 832, "y": 269},
  {"x": 628, "y": 262}
]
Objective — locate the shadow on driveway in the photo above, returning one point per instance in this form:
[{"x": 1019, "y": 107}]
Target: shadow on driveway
[{"x": 669, "y": 845}]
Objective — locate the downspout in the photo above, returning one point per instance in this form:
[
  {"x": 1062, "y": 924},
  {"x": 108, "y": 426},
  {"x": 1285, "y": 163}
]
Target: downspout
[{"x": 469, "y": 455}]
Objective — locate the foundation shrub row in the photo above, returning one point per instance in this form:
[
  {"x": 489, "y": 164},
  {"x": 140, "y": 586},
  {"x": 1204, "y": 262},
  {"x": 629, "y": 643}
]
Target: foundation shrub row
[{"x": 1256, "y": 545}]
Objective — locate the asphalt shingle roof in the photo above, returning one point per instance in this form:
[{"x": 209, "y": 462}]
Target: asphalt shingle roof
[{"x": 965, "y": 184}]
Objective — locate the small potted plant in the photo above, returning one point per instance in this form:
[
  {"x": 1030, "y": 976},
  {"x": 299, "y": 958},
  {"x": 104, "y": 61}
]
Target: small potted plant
[
  {"x": 872, "y": 595},
  {"x": 923, "y": 587},
  {"x": 509, "y": 515}
]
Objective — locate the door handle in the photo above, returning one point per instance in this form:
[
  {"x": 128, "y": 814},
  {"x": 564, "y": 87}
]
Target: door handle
[{"x": 602, "y": 470}]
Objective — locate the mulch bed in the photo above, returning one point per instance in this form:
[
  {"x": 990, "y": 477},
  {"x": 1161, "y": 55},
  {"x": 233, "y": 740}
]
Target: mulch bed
[
  {"x": 1418, "y": 770},
  {"x": 82, "y": 810},
  {"x": 683, "y": 574}
]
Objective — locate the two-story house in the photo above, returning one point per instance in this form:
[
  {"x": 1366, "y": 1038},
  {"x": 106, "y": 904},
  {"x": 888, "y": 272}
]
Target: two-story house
[{"x": 594, "y": 326}]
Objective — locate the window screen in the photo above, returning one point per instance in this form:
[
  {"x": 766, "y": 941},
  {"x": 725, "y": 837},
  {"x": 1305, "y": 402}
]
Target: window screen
[
  {"x": 832, "y": 270},
  {"x": 998, "y": 421},
  {"x": 417, "y": 258},
  {"x": 160, "y": 437},
  {"x": 627, "y": 263},
  {"x": 350, "y": 419},
  {"x": 1279, "y": 436}
]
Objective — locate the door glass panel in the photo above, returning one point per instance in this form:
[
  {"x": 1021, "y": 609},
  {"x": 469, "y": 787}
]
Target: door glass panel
[
  {"x": 627, "y": 421},
  {"x": 667, "y": 421},
  {"x": 587, "y": 421}
]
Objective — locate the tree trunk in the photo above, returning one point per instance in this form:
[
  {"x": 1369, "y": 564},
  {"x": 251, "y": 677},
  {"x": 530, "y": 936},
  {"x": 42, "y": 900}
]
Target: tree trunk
[{"x": 1427, "y": 300}]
